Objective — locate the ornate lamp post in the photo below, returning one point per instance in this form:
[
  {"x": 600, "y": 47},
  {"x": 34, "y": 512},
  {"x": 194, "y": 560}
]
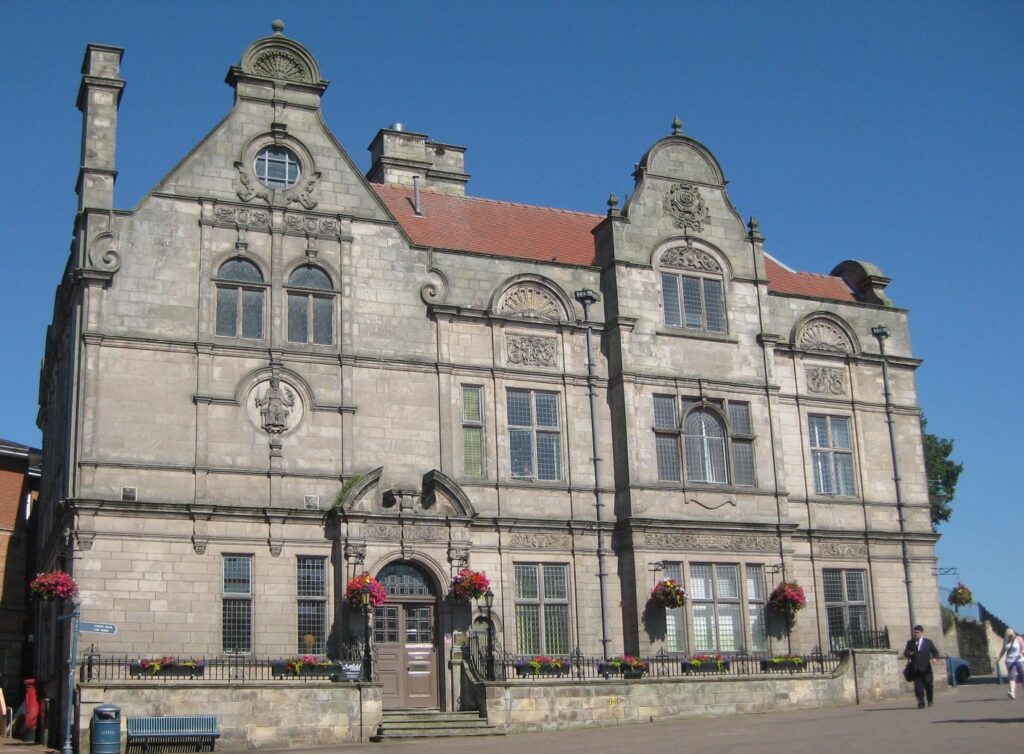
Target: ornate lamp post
[
  {"x": 367, "y": 656},
  {"x": 488, "y": 602}
]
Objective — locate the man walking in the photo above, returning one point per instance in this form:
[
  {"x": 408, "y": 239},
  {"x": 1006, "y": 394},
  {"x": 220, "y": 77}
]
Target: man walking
[{"x": 921, "y": 653}]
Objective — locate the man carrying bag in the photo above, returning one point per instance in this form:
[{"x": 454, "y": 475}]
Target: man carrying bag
[{"x": 921, "y": 653}]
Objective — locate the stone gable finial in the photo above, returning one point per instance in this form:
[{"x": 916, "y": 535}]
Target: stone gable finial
[
  {"x": 677, "y": 126},
  {"x": 278, "y": 26}
]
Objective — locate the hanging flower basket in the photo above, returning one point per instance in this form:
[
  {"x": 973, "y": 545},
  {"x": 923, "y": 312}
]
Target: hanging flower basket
[
  {"x": 788, "y": 597},
  {"x": 365, "y": 590},
  {"x": 961, "y": 596},
  {"x": 668, "y": 594},
  {"x": 470, "y": 585},
  {"x": 53, "y": 585}
]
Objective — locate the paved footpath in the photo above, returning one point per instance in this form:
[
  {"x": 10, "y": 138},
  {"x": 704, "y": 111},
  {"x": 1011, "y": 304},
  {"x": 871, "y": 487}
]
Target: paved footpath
[{"x": 977, "y": 717}]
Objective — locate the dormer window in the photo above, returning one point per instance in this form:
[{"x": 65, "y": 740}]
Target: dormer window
[{"x": 277, "y": 167}]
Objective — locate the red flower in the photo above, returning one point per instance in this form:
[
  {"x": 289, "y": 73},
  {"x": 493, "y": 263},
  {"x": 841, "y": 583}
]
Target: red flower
[
  {"x": 364, "y": 589},
  {"x": 470, "y": 585},
  {"x": 46, "y": 586},
  {"x": 788, "y": 597}
]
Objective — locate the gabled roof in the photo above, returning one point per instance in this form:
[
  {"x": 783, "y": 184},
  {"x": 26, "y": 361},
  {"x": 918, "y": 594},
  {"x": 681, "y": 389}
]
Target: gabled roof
[{"x": 521, "y": 231}]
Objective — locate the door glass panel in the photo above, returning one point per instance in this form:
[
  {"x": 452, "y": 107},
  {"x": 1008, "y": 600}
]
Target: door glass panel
[
  {"x": 385, "y": 624},
  {"x": 419, "y": 624}
]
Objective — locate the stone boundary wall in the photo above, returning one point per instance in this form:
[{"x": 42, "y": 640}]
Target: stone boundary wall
[
  {"x": 518, "y": 706},
  {"x": 257, "y": 715}
]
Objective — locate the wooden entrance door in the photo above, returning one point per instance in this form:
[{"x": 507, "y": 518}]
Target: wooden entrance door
[{"x": 404, "y": 637}]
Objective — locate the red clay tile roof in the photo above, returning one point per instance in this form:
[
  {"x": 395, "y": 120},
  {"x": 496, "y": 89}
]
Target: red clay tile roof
[
  {"x": 491, "y": 227},
  {"x": 781, "y": 280},
  {"x": 522, "y": 231}
]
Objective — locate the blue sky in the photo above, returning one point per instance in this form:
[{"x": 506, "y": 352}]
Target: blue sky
[{"x": 885, "y": 131}]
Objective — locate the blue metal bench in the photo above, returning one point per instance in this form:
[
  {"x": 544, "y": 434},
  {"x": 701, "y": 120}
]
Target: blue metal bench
[{"x": 199, "y": 731}]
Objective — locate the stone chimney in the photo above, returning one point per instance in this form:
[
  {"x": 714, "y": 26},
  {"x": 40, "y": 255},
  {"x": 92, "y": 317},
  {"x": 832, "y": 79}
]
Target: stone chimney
[
  {"x": 399, "y": 156},
  {"x": 99, "y": 96}
]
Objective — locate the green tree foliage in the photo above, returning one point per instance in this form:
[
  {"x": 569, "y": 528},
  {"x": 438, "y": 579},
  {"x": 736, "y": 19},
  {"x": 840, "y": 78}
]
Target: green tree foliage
[{"x": 941, "y": 471}]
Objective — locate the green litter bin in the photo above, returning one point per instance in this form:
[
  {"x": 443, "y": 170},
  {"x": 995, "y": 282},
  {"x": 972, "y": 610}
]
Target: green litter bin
[{"x": 105, "y": 730}]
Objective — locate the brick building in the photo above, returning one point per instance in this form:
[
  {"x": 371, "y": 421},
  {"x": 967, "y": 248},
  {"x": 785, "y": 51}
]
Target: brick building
[
  {"x": 276, "y": 372},
  {"x": 19, "y": 489}
]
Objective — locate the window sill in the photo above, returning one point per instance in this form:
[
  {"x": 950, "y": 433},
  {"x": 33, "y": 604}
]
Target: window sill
[{"x": 683, "y": 332}]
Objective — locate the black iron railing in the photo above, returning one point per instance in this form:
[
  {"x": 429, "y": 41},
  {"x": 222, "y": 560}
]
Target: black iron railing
[{"x": 854, "y": 639}]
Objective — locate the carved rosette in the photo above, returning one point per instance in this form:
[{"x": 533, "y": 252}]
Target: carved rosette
[
  {"x": 531, "y": 301},
  {"x": 690, "y": 259},
  {"x": 242, "y": 217},
  {"x": 823, "y": 335},
  {"x": 537, "y": 541},
  {"x": 530, "y": 350},
  {"x": 312, "y": 226},
  {"x": 843, "y": 549},
  {"x": 711, "y": 542},
  {"x": 825, "y": 380},
  {"x": 685, "y": 205}
]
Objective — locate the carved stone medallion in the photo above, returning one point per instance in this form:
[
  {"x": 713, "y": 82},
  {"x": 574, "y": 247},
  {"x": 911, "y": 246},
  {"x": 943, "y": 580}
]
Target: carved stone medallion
[
  {"x": 245, "y": 217},
  {"x": 531, "y": 301},
  {"x": 822, "y": 335},
  {"x": 690, "y": 259},
  {"x": 711, "y": 542},
  {"x": 530, "y": 350},
  {"x": 275, "y": 406},
  {"x": 827, "y": 380},
  {"x": 686, "y": 207}
]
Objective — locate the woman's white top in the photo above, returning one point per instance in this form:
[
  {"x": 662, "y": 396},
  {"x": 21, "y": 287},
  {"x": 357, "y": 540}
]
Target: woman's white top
[{"x": 1013, "y": 651}]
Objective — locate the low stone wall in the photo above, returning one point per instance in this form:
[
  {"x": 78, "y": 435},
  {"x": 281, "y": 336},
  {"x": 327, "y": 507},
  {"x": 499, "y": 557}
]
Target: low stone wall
[
  {"x": 273, "y": 714},
  {"x": 520, "y": 706}
]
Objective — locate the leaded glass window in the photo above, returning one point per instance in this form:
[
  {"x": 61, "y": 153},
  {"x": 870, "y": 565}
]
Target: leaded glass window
[
  {"x": 693, "y": 302},
  {"x": 240, "y": 293},
  {"x": 846, "y": 607},
  {"x": 310, "y": 312},
  {"x": 541, "y": 599},
  {"x": 236, "y": 604},
  {"x": 535, "y": 449},
  {"x": 715, "y": 602},
  {"x": 472, "y": 431},
  {"x": 831, "y": 455},
  {"x": 311, "y": 589}
]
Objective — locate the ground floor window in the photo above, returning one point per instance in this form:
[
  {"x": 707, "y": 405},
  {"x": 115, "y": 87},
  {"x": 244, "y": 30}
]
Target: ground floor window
[
  {"x": 727, "y": 604},
  {"x": 846, "y": 606},
  {"x": 542, "y": 608},
  {"x": 311, "y": 588},
  {"x": 236, "y": 606}
]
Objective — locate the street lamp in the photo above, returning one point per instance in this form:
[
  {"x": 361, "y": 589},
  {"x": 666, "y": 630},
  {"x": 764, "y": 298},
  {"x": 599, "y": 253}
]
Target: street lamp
[
  {"x": 488, "y": 600},
  {"x": 367, "y": 656}
]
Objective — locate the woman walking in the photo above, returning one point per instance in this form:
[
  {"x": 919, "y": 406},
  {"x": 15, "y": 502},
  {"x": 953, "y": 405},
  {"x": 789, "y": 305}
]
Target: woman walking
[{"x": 1013, "y": 648}]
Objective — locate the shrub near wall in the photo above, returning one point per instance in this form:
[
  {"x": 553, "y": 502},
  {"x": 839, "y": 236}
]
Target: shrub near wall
[{"x": 251, "y": 715}]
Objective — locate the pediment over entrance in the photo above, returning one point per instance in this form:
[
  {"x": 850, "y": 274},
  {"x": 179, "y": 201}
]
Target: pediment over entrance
[{"x": 437, "y": 495}]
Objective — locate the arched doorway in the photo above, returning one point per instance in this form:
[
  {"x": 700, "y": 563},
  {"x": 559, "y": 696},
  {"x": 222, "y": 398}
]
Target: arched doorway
[{"x": 405, "y": 637}]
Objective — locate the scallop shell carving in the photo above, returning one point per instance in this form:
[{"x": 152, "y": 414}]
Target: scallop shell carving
[
  {"x": 532, "y": 302},
  {"x": 821, "y": 335},
  {"x": 280, "y": 65}
]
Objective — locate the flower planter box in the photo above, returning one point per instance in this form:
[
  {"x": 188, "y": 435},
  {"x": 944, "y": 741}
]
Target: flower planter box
[
  {"x": 529, "y": 672},
  {"x": 174, "y": 671},
  {"x": 281, "y": 670},
  {"x": 706, "y": 667},
  {"x": 607, "y": 669},
  {"x": 782, "y": 666}
]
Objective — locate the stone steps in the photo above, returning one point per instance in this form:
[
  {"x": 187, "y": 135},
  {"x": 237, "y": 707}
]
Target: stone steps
[{"x": 405, "y": 724}]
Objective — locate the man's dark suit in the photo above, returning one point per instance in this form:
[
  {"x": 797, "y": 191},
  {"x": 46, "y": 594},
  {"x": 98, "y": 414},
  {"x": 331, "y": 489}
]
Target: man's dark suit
[{"x": 921, "y": 663}]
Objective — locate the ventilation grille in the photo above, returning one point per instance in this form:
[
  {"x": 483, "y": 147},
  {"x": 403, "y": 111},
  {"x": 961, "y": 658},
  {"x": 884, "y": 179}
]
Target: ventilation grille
[
  {"x": 129, "y": 494},
  {"x": 312, "y": 502}
]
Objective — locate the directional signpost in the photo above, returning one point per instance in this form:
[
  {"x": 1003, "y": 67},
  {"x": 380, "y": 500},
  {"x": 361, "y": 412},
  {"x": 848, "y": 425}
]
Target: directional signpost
[{"x": 97, "y": 628}]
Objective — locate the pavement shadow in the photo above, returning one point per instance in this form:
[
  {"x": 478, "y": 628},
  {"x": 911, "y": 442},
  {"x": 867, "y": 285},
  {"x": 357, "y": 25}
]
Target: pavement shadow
[{"x": 1014, "y": 720}]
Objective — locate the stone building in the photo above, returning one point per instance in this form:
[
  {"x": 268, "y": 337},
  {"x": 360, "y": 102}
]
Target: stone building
[{"x": 275, "y": 373}]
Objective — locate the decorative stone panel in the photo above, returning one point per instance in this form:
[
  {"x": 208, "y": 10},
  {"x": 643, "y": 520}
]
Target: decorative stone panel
[
  {"x": 532, "y": 302},
  {"x": 686, "y": 207},
  {"x": 826, "y": 380},
  {"x": 843, "y": 549},
  {"x": 275, "y": 406},
  {"x": 690, "y": 259},
  {"x": 823, "y": 335},
  {"x": 531, "y": 350},
  {"x": 711, "y": 542},
  {"x": 537, "y": 541}
]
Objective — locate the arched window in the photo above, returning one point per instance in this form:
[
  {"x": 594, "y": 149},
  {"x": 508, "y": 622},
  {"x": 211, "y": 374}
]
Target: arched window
[
  {"x": 239, "y": 299},
  {"x": 405, "y": 580},
  {"x": 693, "y": 290},
  {"x": 310, "y": 311},
  {"x": 704, "y": 435}
]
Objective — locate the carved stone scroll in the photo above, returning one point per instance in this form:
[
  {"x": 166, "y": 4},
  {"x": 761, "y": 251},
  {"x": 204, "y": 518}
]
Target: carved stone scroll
[
  {"x": 712, "y": 542},
  {"x": 530, "y": 350},
  {"x": 690, "y": 259},
  {"x": 827, "y": 380}
]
